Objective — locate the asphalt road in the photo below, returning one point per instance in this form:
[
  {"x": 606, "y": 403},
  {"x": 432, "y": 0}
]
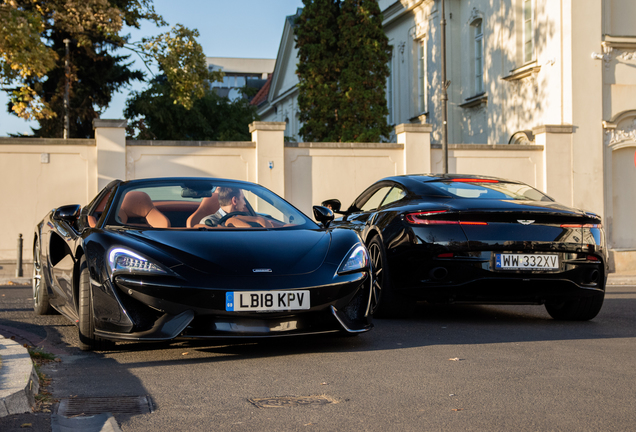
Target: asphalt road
[{"x": 448, "y": 368}]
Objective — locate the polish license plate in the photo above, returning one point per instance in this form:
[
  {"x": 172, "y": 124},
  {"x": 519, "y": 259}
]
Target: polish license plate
[
  {"x": 266, "y": 300},
  {"x": 526, "y": 262}
]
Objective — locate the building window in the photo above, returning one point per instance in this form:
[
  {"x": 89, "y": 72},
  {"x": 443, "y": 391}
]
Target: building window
[
  {"x": 479, "y": 56},
  {"x": 389, "y": 91},
  {"x": 528, "y": 31},
  {"x": 422, "y": 90}
]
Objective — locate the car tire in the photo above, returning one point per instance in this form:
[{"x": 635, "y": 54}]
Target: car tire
[
  {"x": 87, "y": 339},
  {"x": 385, "y": 302},
  {"x": 579, "y": 309},
  {"x": 41, "y": 305}
]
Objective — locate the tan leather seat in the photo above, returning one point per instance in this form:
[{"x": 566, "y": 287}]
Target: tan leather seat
[
  {"x": 139, "y": 204},
  {"x": 208, "y": 206}
]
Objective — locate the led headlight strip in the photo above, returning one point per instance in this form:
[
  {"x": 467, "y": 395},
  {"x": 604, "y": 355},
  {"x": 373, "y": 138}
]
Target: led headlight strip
[
  {"x": 357, "y": 259},
  {"x": 124, "y": 260}
]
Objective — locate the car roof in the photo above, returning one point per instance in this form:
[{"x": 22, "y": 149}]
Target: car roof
[{"x": 416, "y": 183}]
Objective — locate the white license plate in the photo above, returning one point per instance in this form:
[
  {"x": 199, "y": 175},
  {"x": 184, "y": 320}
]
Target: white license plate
[
  {"x": 266, "y": 300},
  {"x": 526, "y": 262}
]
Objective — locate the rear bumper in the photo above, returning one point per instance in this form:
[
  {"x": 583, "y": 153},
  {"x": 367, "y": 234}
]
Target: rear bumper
[{"x": 474, "y": 279}]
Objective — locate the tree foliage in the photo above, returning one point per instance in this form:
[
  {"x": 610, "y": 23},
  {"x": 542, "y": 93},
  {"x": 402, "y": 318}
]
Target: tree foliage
[
  {"x": 342, "y": 71},
  {"x": 154, "y": 115},
  {"x": 32, "y": 54}
]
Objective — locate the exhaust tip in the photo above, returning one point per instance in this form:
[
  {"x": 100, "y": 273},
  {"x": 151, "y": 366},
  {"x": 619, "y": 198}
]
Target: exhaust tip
[
  {"x": 593, "y": 276},
  {"x": 438, "y": 273}
]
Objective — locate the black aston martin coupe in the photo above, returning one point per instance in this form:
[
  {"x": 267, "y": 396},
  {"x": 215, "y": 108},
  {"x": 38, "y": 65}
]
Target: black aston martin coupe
[
  {"x": 157, "y": 259},
  {"x": 475, "y": 239}
]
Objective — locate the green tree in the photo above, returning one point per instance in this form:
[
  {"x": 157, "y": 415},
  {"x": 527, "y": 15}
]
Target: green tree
[
  {"x": 32, "y": 56},
  {"x": 154, "y": 115},
  {"x": 363, "y": 110},
  {"x": 318, "y": 69},
  {"x": 342, "y": 71}
]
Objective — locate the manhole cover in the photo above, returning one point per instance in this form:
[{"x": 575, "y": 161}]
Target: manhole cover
[
  {"x": 287, "y": 401},
  {"x": 96, "y": 405}
]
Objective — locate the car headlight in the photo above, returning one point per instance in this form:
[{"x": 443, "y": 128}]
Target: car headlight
[
  {"x": 122, "y": 260},
  {"x": 357, "y": 259}
]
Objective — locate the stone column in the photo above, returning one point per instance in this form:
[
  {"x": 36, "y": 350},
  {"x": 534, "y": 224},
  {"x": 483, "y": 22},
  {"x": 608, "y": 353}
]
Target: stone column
[
  {"x": 557, "y": 161},
  {"x": 416, "y": 139},
  {"x": 270, "y": 154},
  {"x": 110, "y": 139}
]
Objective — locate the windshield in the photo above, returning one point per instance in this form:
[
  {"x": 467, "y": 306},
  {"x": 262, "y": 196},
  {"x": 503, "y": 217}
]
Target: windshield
[
  {"x": 203, "y": 204},
  {"x": 490, "y": 189}
]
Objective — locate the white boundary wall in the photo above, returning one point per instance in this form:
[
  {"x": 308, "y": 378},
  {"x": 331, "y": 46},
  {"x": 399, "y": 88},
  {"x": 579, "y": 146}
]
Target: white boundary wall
[{"x": 37, "y": 175}]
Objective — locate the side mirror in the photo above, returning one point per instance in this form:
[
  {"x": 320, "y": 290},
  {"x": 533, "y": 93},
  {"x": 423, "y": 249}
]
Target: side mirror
[
  {"x": 323, "y": 215},
  {"x": 332, "y": 204},
  {"x": 69, "y": 213}
]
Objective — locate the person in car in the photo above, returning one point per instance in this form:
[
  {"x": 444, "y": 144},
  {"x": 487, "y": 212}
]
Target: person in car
[{"x": 231, "y": 200}]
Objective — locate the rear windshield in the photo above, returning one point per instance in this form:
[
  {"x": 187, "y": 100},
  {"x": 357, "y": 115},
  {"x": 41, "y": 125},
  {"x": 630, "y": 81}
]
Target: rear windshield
[{"x": 491, "y": 190}]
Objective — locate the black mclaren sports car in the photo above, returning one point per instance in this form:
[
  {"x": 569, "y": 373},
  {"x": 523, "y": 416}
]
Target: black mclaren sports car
[
  {"x": 158, "y": 259},
  {"x": 475, "y": 239}
]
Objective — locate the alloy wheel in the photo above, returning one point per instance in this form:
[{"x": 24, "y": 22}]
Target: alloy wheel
[
  {"x": 37, "y": 275},
  {"x": 376, "y": 290}
]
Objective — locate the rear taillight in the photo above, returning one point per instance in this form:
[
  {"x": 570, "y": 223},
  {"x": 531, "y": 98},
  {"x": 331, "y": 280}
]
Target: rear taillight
[
  {"x": 420, "y": 218},
  {"x": 591, "y": 258},
  {"x": 446, "y": 255},
  {"x": 581, "y": 225}
]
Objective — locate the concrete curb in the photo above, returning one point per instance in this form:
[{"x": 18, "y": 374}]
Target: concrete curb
[{"x": 18, "y": 379}]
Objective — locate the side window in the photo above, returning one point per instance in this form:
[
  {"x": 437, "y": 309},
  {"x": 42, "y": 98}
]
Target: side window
[
  {"x": 376, "y": 199},
  {"x": 97, "y": 211},
  {"x": 396, "y": 194}
]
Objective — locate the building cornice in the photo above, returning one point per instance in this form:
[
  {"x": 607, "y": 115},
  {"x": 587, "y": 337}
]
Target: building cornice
[
  {"x": 398, "y": 10},
  {"x": 628, "y": 42},
  {"x": 553, "y": 129},
  {"x": 523, "y": 72}
]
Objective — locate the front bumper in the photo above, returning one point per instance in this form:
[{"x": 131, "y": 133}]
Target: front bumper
[{"x": 147, "y": 309}]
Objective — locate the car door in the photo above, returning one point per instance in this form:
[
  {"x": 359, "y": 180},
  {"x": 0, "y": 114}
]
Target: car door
[{"x": 63, "y": 240}]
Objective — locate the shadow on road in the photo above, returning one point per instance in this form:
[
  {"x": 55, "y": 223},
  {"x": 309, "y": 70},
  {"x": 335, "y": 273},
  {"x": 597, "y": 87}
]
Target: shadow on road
[{"x": 429, "y": 325}]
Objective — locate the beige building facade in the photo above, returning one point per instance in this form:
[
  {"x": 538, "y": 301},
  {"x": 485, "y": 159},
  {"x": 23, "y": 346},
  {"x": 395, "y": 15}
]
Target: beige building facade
[{"x": 557, "y": 73}]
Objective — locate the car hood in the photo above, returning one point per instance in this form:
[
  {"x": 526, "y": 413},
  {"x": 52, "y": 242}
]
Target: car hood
[{"x": 279, "y": 252}]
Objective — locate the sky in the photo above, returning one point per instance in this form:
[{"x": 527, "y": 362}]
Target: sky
[{"x": 228, "y": 28}]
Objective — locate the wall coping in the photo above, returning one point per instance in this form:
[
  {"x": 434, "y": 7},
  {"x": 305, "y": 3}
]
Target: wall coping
[
  {"x": 166, "y": 143},
  {"x": 555, "y": 129},
  {"x": 267, "y": 126},
  {"x": 412, "y": 127},
  {"x": 109, "y": 123},
  {"x": 344, "y": 145},
  {"x": 508, "y": 147},
  {"x": 47, "y": 141}
]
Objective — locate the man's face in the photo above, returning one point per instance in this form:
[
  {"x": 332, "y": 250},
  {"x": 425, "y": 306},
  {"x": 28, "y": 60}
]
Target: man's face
[{"x": 239, "y": 203}]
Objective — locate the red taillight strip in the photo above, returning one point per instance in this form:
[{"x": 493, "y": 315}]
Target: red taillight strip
[
  {"x": 471, "y": 180},
  {"x": 581, "y": 225},
  {"x": 446, "y": 255},
  {"x": 413, "y": 217}
]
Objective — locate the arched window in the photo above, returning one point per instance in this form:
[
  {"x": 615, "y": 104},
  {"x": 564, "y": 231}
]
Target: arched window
[
  {"x": 389, "y": 90},
  {"x": 528, "y": 31},
  {"x": 422, "y": 84},
  {"x": 478, "y": 55}
]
